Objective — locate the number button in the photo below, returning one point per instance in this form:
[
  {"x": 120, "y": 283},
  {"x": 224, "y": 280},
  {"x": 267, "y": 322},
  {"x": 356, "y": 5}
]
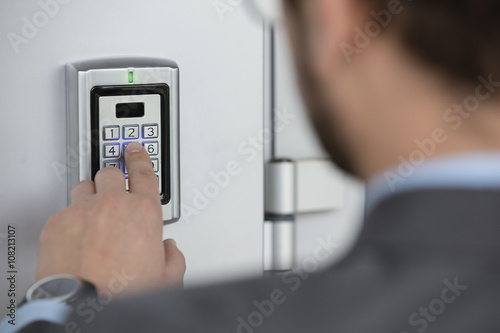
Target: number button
[
  {"x": 131, "y": 132},
  {"x": 112, "y": 151},
  {"x": 155, "y": 164},
  {"x": 150, "y": 131},
  {"x": 151, "y": 147},
  {"x": 111, "y": 133},
  {"x": 112, "y": 164}
]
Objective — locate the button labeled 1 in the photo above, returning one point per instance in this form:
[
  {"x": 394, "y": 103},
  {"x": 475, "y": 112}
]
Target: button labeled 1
[{"x": 111, "y": 133}]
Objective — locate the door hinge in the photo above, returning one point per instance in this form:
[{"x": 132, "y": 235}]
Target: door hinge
[{"x": 292, "y": 188}]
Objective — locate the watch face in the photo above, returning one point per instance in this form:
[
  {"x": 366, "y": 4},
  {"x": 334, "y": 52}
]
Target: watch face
[{"x": 59, "y": 288}]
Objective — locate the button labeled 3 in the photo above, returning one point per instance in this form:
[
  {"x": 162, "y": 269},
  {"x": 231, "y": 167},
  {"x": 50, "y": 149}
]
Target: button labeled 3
[{"x": 150, "y": 131}]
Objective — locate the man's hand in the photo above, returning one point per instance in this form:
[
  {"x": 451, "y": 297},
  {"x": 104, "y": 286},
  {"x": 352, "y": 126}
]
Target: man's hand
[{"x": 110, "y": 237}]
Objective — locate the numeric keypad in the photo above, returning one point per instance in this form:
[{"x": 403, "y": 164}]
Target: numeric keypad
[{"x": 115, "y": 141}]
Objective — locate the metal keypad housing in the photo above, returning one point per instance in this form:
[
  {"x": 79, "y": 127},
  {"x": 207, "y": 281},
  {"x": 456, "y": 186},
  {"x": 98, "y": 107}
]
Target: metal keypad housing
[{"x": 97, "y": 135}]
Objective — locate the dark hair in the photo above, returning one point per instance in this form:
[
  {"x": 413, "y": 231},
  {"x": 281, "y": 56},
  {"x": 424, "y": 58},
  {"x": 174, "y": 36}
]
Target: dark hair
[{"x": 459, "y": 37}]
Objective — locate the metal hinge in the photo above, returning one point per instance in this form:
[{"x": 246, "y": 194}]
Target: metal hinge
[{"x": 292, "y": 188}]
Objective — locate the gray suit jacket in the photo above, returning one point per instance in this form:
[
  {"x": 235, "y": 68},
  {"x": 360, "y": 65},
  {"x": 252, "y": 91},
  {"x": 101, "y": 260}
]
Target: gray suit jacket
[{"x": 427, "y": 261}]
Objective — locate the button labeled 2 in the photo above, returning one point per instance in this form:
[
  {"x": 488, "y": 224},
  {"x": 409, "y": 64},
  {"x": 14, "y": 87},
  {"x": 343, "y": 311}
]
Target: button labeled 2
[{"x": 131, "y": 132}]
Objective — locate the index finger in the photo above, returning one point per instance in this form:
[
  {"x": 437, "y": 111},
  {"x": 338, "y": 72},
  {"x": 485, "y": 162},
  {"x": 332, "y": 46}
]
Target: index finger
[{"x": 142, "y": 178}]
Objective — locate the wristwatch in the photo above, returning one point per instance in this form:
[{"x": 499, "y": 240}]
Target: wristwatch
[
  {"x": 60, "y": 288},
  {"x": 48, "y": 304}
]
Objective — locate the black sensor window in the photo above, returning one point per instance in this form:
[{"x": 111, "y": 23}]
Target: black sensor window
[{"x": 129, "y": 110}]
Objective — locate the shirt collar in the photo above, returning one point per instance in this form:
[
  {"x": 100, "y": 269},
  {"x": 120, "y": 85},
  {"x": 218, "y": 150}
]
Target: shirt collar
[{"x": 464, "y": 171}]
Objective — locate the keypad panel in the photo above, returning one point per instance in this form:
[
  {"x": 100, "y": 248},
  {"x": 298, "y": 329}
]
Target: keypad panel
[{"x": 117, "y": 133}]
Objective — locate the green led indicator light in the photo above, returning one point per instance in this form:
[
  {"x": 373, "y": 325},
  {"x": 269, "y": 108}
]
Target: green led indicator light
[{"x": 130, "y": 77}]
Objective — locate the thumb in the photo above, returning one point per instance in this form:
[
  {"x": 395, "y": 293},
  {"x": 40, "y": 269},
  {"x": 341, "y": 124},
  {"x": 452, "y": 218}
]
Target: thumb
[{"x": 175, "y": 263}]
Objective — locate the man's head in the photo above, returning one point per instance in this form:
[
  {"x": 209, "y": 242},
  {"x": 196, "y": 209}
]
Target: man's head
[{"x": 379, "y": 75}]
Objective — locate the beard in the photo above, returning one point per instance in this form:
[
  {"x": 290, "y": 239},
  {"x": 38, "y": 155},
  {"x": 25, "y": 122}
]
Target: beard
[{"x": 321, "y": 113}]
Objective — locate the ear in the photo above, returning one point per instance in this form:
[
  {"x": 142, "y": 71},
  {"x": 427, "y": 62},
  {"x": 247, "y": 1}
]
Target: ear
[{"x": 332, "y": 30}]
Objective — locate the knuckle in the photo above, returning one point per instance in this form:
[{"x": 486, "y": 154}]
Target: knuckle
[
  {"x": 109, "y": 172},
  {"x": 109, "y": 207},
  {"x": 110, "y": 200},
  {"x": 83, "y": 183}
]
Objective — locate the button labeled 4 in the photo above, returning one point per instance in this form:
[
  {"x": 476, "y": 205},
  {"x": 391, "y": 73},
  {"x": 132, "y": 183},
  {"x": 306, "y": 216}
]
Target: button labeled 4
[{"x": 111, "y": 151}]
